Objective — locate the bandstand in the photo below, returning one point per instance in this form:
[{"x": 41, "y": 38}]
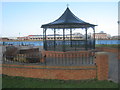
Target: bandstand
[{"x": 68, "y": 21}]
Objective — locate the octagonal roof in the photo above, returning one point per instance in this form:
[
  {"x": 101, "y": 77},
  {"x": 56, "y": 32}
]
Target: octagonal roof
[{"x": 68, "y": 20}]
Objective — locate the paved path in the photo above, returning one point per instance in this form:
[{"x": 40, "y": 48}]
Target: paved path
[
  {"x": 113, "y": 67},
  {"x": 1, "y": 53}
]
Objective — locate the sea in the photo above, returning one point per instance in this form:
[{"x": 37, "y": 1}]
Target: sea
[{"x": 40, "y": 43}]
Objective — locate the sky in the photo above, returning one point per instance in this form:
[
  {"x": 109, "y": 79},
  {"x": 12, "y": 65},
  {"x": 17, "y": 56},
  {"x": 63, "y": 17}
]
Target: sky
[{"x": 26, "y": 18}]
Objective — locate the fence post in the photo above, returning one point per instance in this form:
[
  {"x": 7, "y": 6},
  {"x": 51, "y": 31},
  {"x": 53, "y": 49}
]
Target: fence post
[
  {"x": 102, "y": 65},
  {"x": 43, "y": 59}
]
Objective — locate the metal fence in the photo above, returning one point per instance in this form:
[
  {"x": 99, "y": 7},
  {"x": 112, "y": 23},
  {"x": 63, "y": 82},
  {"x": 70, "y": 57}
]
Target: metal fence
[
  {"x": 70, "y": 59},
  {"x": 63, "y": 60},
  {"x": 74, "y": 45}
]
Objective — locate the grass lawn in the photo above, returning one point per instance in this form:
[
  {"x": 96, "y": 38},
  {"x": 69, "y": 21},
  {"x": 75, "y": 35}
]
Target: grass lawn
[
  {"x": 22, "y": 82},
  {"x": 108, "y": 45}
]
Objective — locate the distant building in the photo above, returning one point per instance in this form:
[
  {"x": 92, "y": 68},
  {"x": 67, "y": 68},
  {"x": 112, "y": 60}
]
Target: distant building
[
  {"x": 101, "y": 35},
  {"x": 35, "y": 37},
  {"x": 4, "y": 39},
  {"x": 13, "y": 38},
  {"x": 116, "y": 37},
  {"x": 75, "y": 36},
  {"x": 8, "y": 38},
  {"x": 58, "y": 37},
  {"x": 22, "y": 38}
]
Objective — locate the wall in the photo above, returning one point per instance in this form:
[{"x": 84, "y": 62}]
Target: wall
[
  {"x": 102, "y": 65},
  {"x": 51, "y": 72},
  {"x": 99, "y": 71}
]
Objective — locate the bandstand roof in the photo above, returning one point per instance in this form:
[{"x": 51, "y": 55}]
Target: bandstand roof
[{"x": 68, "y": 20}]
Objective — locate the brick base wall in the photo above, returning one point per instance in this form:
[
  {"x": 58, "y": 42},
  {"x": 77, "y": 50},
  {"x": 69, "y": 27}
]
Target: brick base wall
[
  {"x": 76, "y": 73},
  {"x": 61, "y": 72}
]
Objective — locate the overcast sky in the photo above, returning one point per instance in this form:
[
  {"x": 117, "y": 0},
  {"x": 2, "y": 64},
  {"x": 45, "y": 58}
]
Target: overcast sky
[{"x": 26, "y": 18}]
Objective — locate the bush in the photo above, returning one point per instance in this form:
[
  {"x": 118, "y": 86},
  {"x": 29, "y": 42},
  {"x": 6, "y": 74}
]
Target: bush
[{"x": 11, "y": 52}]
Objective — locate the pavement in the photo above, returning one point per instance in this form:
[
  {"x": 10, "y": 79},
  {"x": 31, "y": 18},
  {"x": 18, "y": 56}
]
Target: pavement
[
  {"x": 2, "y": 49},
  {"x": 113, "y": 67}
]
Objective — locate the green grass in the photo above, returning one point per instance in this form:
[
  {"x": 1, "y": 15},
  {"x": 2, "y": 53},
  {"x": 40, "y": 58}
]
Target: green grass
[
  {"x": 108, "y": 45},
  {"x": 22, "y": 82}
]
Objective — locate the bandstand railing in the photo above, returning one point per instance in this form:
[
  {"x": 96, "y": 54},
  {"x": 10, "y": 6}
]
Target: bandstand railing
[{"x": 74, "y": 45}]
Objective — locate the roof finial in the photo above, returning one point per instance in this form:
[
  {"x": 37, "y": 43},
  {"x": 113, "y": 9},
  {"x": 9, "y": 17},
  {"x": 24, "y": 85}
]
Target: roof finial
[{"x": 67, "y": 5}]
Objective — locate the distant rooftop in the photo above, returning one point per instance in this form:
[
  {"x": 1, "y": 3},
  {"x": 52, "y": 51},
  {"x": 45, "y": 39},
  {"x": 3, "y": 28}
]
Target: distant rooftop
[{"x": 35, "y": 35}]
